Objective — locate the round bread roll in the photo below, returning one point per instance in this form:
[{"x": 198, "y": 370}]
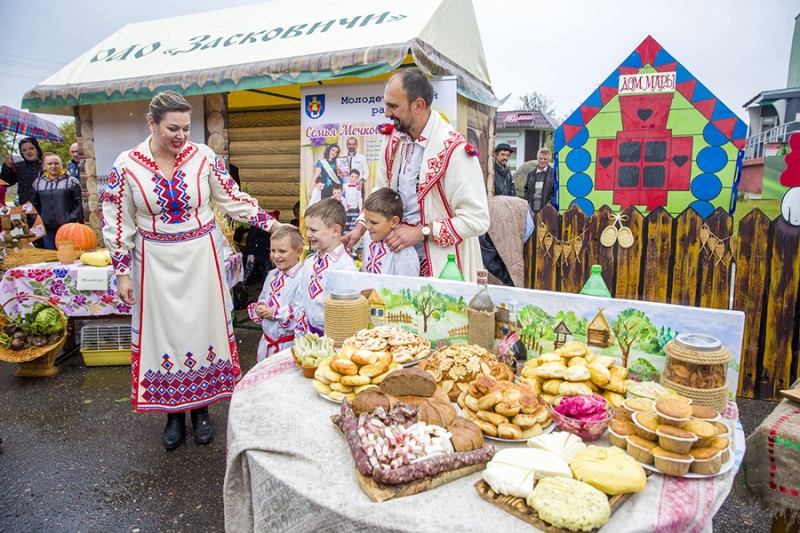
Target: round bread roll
[
  {"x": 337, "y": 396},
  {"x": 528, "y": 403},
  {"x": 577, "y": 373},
  {"x": 509, "y": 410},
  {"x": 354, "y": 381},
  {"x": 524, "y": 421},
  {"x": 492, "y": 418},
  {"x": 578, "y": 361},
  {"x": 338, "y": 387},
  {"x": 371, "y": 371},
  {"x": 509, "y": 431},
  {"x": 551, "y": 371},
  {"x": 319, "y": 375},
  {"x": 541, "y": 414},
  {"x": 365, "y": 387},
  {"x": 364, "y": 357},
  {"x": 600, "y": 374},
  {"x": 329, "y": 374},
  {"x": 534, "y": 431},
  {"x": 569, "y": 388},
  {"x": 551, "y": 386},
  {"x": 511, "y": 395},
  {"x": 469, "y": 413},
  {"x": 321, "y": 387},
  {"x": 461, "y": 398},
  {"x": 472, "y": 403},
  {"x": 345, "y": 367},
  {"x": 490, "y": 400},
  {"x": 486, "y": 427}
]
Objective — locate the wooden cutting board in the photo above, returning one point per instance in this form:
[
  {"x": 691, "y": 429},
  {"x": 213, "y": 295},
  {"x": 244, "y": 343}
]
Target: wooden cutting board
[
  {"x": 793, "y": 395},
  {"x": 521, "y": 510},
  {"x": 380, "y": 492}
]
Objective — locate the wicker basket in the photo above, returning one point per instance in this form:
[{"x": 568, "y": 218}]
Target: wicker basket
[{"x": 38, "y": 357}]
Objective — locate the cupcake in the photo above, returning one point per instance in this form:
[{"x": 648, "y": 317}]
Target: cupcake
[
  {"x": 705, "y": 431},
  {"x": 645, "y": 425},
  {"x": 723, "y": 444},
  {"x": 677, "y": 397},
  {"x": 622, "y": 414},
  {"x": 723, "y": 430},
  {"x": 707, "y": 461},
  {"x": 673, "y": 411},
  {"x": 639, "y": 449},
  {"x": 618, "y": 430},
  {"x": 637, "y": 404},
  {"x": 705, "y": 413},
  {"x": 675, "y": 440},
  {"x": 671, "y": 464}
]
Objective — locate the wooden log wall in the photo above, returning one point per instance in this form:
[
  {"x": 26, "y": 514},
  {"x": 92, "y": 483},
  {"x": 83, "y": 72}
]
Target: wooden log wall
[
  {"x": 688, "y": 260},
  {"x": 265, "y": 145},
  {"x": 84, "y": 129}
]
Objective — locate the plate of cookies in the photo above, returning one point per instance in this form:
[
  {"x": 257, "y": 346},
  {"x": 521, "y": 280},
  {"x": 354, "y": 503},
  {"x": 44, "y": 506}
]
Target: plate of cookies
[{"x": 406, "y": 347}]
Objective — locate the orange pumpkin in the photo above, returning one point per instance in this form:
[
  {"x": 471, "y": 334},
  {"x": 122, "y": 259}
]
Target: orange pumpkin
[{"x": 80, "y": 234}]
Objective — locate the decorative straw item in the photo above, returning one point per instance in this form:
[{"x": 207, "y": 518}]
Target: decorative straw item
[
  {"x": 34, "y": 361},
  {"x": 226, "y": 225},
  {"x": 27, "y": 255},
  {"x": 609, "y": 236},
  {"x": 696, "y": 367},
  {"x": 625, "y": 237},
  {"x": 346, "y": 312}
]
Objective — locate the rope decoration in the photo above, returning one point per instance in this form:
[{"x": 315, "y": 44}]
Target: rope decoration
[
  {"x": 562, "y": 250},
  {"x": 611, "y": 235}
]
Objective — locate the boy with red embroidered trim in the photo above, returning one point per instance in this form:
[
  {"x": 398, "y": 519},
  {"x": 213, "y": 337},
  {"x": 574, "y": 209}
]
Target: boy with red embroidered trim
[
  {"x": 325, "y": 221},
  {"x": 275, "y": 307},
  {"x": 383, "y": 211}
]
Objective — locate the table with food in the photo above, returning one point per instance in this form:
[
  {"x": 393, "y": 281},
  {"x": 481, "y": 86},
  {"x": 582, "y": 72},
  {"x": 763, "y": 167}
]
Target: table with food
[{"x": 387, "y": 434}]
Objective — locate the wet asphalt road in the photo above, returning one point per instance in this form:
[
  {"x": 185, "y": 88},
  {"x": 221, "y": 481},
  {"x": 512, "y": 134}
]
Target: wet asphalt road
[{"x": 76, "y": 458}]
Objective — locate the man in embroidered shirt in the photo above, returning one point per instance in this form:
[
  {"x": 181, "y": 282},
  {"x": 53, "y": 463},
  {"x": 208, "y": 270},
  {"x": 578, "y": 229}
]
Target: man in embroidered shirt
[
  {"x": 439, "y": 179},
  {"x": 325, "y": 221},
  {"x": 539, "y": 184}
]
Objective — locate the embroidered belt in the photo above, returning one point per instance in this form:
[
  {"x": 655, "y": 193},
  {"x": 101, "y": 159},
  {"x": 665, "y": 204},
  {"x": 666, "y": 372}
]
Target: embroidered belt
[
  {"x": 178, "y": 237},
  {"x": 274, "y": 344}
]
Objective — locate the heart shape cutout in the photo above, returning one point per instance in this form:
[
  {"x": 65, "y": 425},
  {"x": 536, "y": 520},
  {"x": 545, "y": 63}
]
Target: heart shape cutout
[
  {"x": 644, "y": 114},
  {"x": 605, "y": 161},
  {"x": 680, "y": 160}
]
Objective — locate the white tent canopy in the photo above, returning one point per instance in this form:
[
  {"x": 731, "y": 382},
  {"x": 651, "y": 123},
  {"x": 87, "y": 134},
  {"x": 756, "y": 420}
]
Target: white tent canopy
[{"x": 276, "y": 43}]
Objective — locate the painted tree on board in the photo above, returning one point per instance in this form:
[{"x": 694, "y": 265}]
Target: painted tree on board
[
  {"x": 535, "y": 321},
  {"x": 632, "y": 327},
  {"x": 430, "y": 304}
]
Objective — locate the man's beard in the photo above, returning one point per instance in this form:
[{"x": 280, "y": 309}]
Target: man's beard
[{"x": 401, "y": 126}]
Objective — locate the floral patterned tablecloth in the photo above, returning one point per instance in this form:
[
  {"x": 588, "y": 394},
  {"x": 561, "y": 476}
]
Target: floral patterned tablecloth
[{"x": 58, "y": 283}]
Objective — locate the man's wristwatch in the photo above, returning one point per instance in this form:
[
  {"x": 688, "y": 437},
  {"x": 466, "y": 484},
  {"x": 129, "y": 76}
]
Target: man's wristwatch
[{"x": 426, "y": 231}]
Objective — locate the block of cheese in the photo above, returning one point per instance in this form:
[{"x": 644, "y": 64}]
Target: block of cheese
[
  {"x": 609, "y": 470},
  {"x": 543, "y": 463},
  {"x": 508, "y": 479},
  {"x": 563, "y": 444},
  {"x": 569, "y": 504}
]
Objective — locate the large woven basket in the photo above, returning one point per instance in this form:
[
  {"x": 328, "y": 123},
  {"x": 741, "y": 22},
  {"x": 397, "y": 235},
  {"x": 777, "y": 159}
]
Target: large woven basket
[
  {"x": 29, "y": 354},
  {"x": 343, "y": 318}
]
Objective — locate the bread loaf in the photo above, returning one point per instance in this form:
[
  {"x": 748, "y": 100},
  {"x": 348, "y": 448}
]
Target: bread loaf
[
  {"x": 466, "y": 435},
  {"x": 409, "y": 382}
]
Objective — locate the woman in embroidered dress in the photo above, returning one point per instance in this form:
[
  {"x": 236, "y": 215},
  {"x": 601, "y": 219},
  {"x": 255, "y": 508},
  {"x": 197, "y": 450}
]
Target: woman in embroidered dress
[
  {"x": 326, "y": 167},
  {"x": 167, "y": 252}
]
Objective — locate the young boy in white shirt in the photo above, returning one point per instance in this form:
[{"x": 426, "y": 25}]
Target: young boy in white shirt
[
  {"x": 325, "y": 221},
  {"x": 382, "y": 213},
  {"x": 353, "y": 198},
  {"x": 275, "y": 307},
  {"x": 316, "y": 192}
]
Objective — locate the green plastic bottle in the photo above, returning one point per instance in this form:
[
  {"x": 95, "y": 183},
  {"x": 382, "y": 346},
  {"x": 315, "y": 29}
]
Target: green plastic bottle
[
  {"x": 595, "y": 285},
  {"x": 450, "y": 270}
]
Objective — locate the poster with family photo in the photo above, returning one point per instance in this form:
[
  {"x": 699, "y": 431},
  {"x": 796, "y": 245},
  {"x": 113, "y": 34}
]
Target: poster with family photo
[{"x": 340, "y": 145}]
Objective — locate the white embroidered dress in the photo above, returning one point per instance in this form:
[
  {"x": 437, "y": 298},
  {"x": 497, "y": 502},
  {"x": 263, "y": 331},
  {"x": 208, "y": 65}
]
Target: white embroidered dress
[
  {"x": 451, "y": 195},
  {"x": 379, "y": 259},
  {"x": 280, "y": 293},
  {"x": 161, "y": 232},
  {"x": 310, "y": 308}
]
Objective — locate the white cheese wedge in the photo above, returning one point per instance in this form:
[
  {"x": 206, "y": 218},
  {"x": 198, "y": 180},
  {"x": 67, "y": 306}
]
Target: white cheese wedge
[
  {"x": 509, "y": 480},
  {"x": 543, "y": 463},
  {"x": 565, "y": 445}
]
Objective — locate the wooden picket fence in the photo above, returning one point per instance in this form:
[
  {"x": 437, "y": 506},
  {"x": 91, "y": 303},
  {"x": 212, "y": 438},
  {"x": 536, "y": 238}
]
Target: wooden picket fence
[
  {"x": 398, "y": 318},
  {"x": 461, "y": 331},
  {"x": 756, "y": 271}
]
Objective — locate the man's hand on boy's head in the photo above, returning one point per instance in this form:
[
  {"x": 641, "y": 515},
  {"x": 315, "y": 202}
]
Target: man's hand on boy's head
[
  {"x": 352, "y": 238},
  {"x": 404, "y": 236},
  {"x": 275, "y": 225}
]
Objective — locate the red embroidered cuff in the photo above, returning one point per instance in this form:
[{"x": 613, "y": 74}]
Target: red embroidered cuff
[
  {"x": 444, "y": 234},
  {"x": 261, "y": 220},
  {"x": 121, "y": 262}
]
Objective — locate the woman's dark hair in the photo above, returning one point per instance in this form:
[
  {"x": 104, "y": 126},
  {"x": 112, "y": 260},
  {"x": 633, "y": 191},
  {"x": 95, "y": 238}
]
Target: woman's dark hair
[
  {"x": 416, "y": 84},
  {"x": 328, "y": 149},
  {"x": 35, "y": 144},
  {"x": 167, "y": 102}
]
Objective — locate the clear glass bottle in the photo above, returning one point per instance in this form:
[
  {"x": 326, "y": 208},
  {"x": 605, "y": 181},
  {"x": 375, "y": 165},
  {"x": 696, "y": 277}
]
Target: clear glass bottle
[
  {"x": 596, "y": 285},
  {"x": 451, "y": 270},
  {"x": 480, "y": 315}
]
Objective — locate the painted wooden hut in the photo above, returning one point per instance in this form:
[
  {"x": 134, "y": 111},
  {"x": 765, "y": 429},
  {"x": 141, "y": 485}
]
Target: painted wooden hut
[
  {"x": 561, "y": 331},
  {"x": 598, "y": 332},
  {"x": 377, "y": 307}
]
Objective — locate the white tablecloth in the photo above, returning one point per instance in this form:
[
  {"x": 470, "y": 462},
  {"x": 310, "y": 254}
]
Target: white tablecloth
[{"x": 289, "y": 469}]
